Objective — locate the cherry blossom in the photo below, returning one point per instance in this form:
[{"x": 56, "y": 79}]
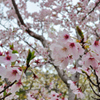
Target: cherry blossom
[
  {"x": 90, "y": 59},
  {"x": 52, "y": 33},
  {"x": 16, "y": 87},
  {"x": 13, "y": 74},
  {"x": 54, "y": 96},
  {"x": 2, "y": 71},
  {"x": 75, "y": 69},
  {"x": 72, "y": 85},
  {"x": 8, "y": 58},
  {"x": 95, "y": 46},
  {"x": 76, "y": 90},
  {"x": 79, "y": 93},
  {"x": 30, "y": 97}
]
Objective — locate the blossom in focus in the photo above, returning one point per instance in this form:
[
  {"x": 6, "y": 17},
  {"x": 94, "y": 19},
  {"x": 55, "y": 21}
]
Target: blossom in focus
[{"x": 13, "y": 74}]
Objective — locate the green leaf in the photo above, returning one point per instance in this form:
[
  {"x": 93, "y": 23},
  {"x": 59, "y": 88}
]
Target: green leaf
[
  {"x": 30, "y": 56},
  {"x": 4, "y": 93},
  {"x": 12, "y": 63},
  {"x": 79, "y": 31},
  {"x": 14, "y": 51},
  {"x": 25, "y": 87},
  {"x": 1, "y": 83},
  {"x": 33, "y": 52},
  {"x": 83, "y": 71},
  {"x": 21, "y": 91},
  {"x": 11, "y": 46}
]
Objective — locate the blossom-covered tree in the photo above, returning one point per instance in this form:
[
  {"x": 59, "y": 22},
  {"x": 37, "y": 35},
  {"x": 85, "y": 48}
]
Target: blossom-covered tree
[{"x": 50, "y": 54}]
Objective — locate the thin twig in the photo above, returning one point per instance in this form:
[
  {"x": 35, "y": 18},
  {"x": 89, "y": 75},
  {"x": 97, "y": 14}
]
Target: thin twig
[
  {"x": 95, "y": 98},
  {"x": 94, "y": 91},
  {"x": 91, "y": 80},
  {"x": 3, "y": 98},
  {"x": 31, "y": 33},
  {"x": 91, "y": 10},
  {"x": 6, "y": 87}
]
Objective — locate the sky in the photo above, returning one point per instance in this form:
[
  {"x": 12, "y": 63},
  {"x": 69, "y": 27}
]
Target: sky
[{"x": 30, "y": 5}]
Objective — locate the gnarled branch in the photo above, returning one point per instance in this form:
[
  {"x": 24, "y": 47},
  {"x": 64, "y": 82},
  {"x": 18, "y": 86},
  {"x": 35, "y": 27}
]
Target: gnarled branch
[{"x": 31, "y": 33}]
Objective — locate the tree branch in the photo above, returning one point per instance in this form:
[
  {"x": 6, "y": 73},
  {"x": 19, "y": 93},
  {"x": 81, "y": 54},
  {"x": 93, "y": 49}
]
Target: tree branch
[
  {"x": 95, "y": 98},
  {"x": 91, "y": 80},
  {"x": 31, "y": 33},
  {"x": 3, "y": 98},
  {"x": 94, "y": 91},
  {"x": 97, "y": 80},
  {"x": 91, "y": 10},
  {"x": 61, "y": 74},
  {"x": 6, "y": 87}
]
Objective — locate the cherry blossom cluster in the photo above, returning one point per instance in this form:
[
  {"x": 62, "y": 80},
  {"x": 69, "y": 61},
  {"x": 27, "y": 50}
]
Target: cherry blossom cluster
[
  {"x": 9, "y": 72},
  {"x": 65, "y": 50},
  {"x": 33, "y": 95},
  {"x": 76, "y": 91}
]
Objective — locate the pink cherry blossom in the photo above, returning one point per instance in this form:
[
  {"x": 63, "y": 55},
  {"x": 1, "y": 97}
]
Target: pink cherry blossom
[
  {"x": 79, "y": 93},
  {"x": 75, "y": 89},
  {"x": 30, "y": 96},
  {"x": 72, "y": 84},
  {"x": 16, "y": 87},
  {"x": 87, "y": 70},
  {"x": 13, "y": 74},
  {"x": 90, "y": 59},
  {"x": 75, "y": 69},
  {"x": 95, "y": 46},
  {"x": 54, "y": 96},
  {"x": 63, "y": 37},
  {"x": 53, "y": 46},
  {"x": 59, "y": 50},
  {"x": 8, "y": 58},
  {"x": 2, "y": 71}
]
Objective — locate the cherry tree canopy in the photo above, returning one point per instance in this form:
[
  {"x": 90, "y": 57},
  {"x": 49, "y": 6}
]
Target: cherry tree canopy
[{"x": 60, "y": 35}]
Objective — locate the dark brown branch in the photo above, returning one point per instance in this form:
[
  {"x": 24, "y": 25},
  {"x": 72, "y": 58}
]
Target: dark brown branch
[
  {"x": 43, "y": 41},
  {"x": 94, "y": 91},
  {"x": 91, "y": 80},
  {"x": 17, "y": 12},
  {"x": 27, "y": 66},
  {"x": 28, "y": 44},
  {"x": 97, "y": 80},
  {"x": 6, "y": 87},
  {"x": 3, "y": 98},
  {"x": 31, "y": 33},
  {"x": 61, "y": 74},
  {"x": 95, "y": 98},
  {"x": 91, "y": 10}
]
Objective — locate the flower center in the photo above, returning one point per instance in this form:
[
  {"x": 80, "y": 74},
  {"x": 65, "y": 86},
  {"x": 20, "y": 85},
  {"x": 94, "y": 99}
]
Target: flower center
[
  {"x": 96, "y": 43},
  {"x": 72, "y": 45},
  {"x": 7, "y": 53},
  {"x": 91, "y": 58},
  {"x": 66, "y": 36},
  {"x": 19, "y": 83},
  {"x": 8, "y": 57},
  {"x": 53, "y": 95},
  {"x": 14, "y": 72},
  {"x": 64, "y": 49},
  {"x": 0, "y": 53}
]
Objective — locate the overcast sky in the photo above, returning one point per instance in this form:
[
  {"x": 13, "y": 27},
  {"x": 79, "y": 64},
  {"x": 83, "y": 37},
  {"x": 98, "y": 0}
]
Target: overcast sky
[{"x": 30, "y": 5}]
